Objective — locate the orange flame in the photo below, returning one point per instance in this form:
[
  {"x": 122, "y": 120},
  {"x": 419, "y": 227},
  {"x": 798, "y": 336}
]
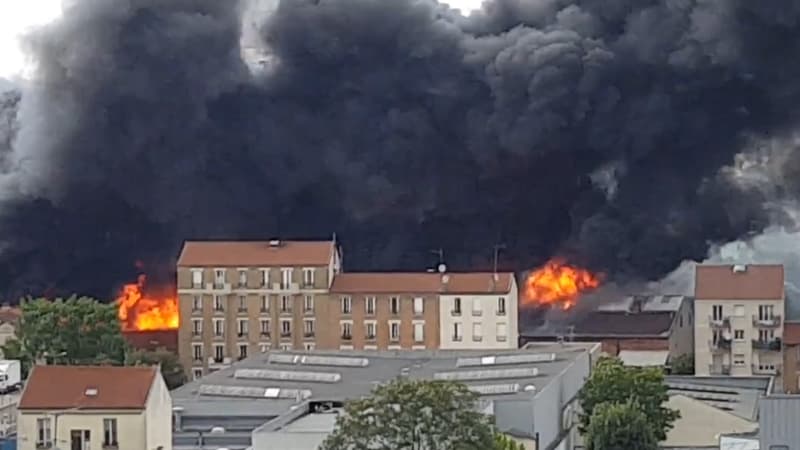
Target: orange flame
[
  {"x": 557, "y": 283},
  {"x": 139, "y": 312}
]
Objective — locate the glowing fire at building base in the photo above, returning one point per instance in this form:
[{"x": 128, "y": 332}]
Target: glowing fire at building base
[
  {"x": 138, "y": 311},
  {"x": 558, "y": 284}
]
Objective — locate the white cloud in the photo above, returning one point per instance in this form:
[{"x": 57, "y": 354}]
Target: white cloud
[{"x": 17, "y": 17}]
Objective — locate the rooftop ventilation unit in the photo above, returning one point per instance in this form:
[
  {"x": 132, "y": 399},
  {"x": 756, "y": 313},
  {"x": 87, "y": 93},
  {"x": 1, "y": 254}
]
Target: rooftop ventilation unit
[
  {"x": 275, "y": 243},
  {"x": 495, "y": 389},
  {"x": 91, "y": 392},
  {"x": 253, "y": 392},
  {"x": 739, "y": 268},
  {"x": 317, "y": 360},
  {"x": 283, "y": 358},
  {"x": 500, "y": 360},
  {"x": 287, "y": 375},
  {"x": 494, "y": 374}
]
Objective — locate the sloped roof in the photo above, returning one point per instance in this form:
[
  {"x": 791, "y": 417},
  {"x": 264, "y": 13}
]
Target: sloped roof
[
  {"x": 87, "y": 387},
  {"x": 754, "y": 282},
  {"x": 423, "y": 283},
  {"x": 255, "y": 253}
]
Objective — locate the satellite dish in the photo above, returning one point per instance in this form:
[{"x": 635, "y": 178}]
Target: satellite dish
[{"x": 442, "y": 268}]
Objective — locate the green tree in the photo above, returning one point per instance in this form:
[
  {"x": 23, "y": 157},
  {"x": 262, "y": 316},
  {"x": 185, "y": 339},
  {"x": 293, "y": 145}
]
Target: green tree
[
  {"x": 413, "y": 415},
  {"x": 683, "y": 365},
  {"x": 171, "y": 368},
  {"x": 69, "y": 331},
  {"x": 503, "y": 442},
  {"x": 620, "y": 426},
  {"x": 612, "y": 382}
]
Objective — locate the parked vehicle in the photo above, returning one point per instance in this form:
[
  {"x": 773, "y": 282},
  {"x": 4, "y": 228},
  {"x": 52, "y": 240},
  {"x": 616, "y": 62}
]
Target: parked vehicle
[{"x": 10, "y": 373}]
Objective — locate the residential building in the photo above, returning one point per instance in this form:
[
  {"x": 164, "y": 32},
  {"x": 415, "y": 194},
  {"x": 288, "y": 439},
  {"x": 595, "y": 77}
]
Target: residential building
[
  {"x": 240, "y": 298},
  {"x": 417, "y": 311},
  {"x": 282, "y": 397},
  {"x": 8, "y": 414},
  {"x": 778, "y": 418},
  {"x": 790, "y": 374},
  {"x": 120, "y": 408},
  {"x": 642, "y": 330},
  {"x": 738, "y": 327},
  {"x": 8, "y": 323}
]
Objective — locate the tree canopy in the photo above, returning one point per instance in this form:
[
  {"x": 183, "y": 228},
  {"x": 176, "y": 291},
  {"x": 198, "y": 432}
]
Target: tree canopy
[
  {"x": 620, "y": 426},
  {"x": 171, "y": 368},
  {"x": 503, "y": 442},
  {"x": 613, "y": 383},
  {"x": 67, "y": 331},
  {"x": 413, "y": 415}
]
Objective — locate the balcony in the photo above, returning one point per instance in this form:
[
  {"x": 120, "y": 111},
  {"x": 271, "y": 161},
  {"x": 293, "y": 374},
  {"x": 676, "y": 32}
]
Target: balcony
[
  {"x": 308, "y": 334},
  {"x": 347, "y": 336},
  {"x": 286, "y": 288},
  {"x": 216, "y": 362},
  {"x": 770, "y": 345},
  {"x": 720, "y": 345},
  {"x": 719, "y": 369},
  {"x": 286, "y": 334},
  {"x": 220, "y": 288},
  {"x": 766, "y": 322},
  {"x": 719, "y": 322}
]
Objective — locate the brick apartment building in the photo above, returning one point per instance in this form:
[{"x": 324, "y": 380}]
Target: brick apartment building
[
  {"x": 237, "y": 298},
  {"x": 739, "y": 327}
]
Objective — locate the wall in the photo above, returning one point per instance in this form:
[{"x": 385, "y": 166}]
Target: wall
[
  {"x": 778, "y": 416},
  {"x": 488, "y": 319},
  {"x": 681, "y": 338},
  {"x": 612, "y": 346},
  {"x": 130, "y": 428},
  {"x": 158, "y": 416},
  {"x": 791, "y": 364}
]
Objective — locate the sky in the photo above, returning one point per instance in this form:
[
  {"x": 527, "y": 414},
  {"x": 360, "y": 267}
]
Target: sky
[{"x": 17, "y": 16}]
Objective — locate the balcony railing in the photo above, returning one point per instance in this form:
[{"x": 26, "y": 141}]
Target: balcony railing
[
  {"x": 719, "y": 369},
  {"x": 766, "y": 322},
  {"x": 719, "y": 345},
  {"x": 719, "y": 322},
  {"x": 771, "y": 345}
]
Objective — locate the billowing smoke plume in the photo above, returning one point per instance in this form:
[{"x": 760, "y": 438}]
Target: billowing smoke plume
[{"x": 594, "y": 129}]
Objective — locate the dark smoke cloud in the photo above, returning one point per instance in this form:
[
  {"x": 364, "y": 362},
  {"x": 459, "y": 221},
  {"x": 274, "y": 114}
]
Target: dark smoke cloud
[{"x": 594, "y": 129}]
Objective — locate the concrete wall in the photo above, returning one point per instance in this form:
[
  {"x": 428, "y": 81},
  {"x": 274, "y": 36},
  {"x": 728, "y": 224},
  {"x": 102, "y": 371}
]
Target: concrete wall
[
  {"x": 485, "y": 314},
  {"x": 131, "y": 433},
  {"x": 158, "y": 416},
  {"x": 681, "y": 338},
  {"x": 791, "y": 364}
]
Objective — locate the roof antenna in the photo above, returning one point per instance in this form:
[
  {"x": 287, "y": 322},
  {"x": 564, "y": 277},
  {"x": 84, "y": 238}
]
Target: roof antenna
[
  {"x": 440, "y": 253},
  {"x": 497, "y": 248}
]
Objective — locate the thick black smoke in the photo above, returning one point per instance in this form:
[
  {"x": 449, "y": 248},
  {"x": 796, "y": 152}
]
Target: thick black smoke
[{"x": 594, "y": 129}]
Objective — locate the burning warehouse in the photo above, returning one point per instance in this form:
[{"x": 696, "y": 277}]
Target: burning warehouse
[{"x": 148, "y": 316}]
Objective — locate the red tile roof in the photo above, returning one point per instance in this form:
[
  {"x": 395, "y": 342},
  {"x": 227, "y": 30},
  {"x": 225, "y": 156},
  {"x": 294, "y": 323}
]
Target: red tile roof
[
  {"x": 791, "y": 333},
  {"x": 422, "y": 283},
  {"x": 755, "y": 282},
  {"x": 255, "y": 253},
  {"x": 65, "y": 387}
]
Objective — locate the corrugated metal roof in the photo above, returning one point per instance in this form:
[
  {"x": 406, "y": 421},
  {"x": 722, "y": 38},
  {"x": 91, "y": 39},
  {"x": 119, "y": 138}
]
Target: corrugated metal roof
[{"x": 778, "y": 419}]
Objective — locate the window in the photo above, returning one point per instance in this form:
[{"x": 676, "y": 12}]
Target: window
[
  {"x": 308, "y": 303},
  {"x": 715, "y": 336},
  {"x": 457, "y": 306},
  {"x": 197, "y": 278},
  {"x": 264, "y": 327},
  {"x": 394, "y": 331},
  {"x": 369, "y": 303},
  {"x": 457, "y": 332},
  {"x": 347, "y": 331},
  {"x": 418, "y": 305},
  {"x": 265, "y": 278},
  {"x": 242, "y": 351},
  {"x": 738, "y": 310},
  {"x": 419, "y": 332},
  {"x": 308, "y": 327},
  {"x": 309, "y": 345},
  {"x": 264, "y": 347},
  {"x": 197, "y": 303},
  {"x": 477, "y": 332},
  {"x": 286, "y": 303},
  {"x": 197, "y": 373},
  {"x": 765, "y": 312},
  {"x": 242, "y": 327},
  {"x": 286, "y": 278},
  {"x": 285, "y": 347},
  {"x": 766, "y": 335},
  {"x": 43, "y": 431},
  {"x": 264, "y": 303},
  {"x": 219, "y": 278},
  {"x": 477, "y": 309},
  {"x": 242, "y": 278},
  {"x": 370, "y": 330},
  {"x": 347, "y": 305},
  {"x": 738, "y": 359},
  {"x": 501, "y": 306},
  {"x": 502, "y": 332},
  {"x": 110, "y": 432},
  {"x": 308, "y": 277},
  {"x": 219, "y": 327},
  {"x": 286, "y": 328},
  {"x": 197, "y": 351},
  {"x": 197, "y": 327},
  {"x": 219, "y": 352},
  {"x": 242, "y": 303},
  {"x": 716, "y": 312},
  {"x": 394, "y": 305},
  {"x": 219, "y": 305},
  {"x": 738, "y": 335}
]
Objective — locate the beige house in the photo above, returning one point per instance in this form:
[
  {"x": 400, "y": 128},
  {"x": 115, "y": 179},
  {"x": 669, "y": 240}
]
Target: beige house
[
  {"x": 739, "y": 312},
  {"x": 83, "y": 407}
]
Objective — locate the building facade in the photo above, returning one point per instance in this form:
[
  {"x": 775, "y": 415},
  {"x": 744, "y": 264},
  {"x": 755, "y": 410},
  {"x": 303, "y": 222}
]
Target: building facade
[
  {"x": 739, "y": 312},
  {"x": 8, "y": 323},
  {"x": 791, "y": 357},
  {"x": 237, "y": 298},
  {"x": 119, "y": 408}
]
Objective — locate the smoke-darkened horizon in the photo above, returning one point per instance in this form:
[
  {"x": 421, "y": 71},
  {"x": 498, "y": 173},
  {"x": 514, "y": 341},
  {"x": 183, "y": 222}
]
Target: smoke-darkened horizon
[{"x": 594, "y": 130}]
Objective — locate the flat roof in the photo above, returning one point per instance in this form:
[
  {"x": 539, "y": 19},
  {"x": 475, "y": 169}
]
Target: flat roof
[
  {"x": 269, "y": 384},
  {"x": 737, "y": 395}
]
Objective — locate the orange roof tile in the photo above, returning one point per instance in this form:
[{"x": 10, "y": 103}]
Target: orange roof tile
[
  {"x": 422, "y": 283},
  {"x": 255, "y": 253},
  {"x": 65, "y": 387},
  {"x": 756, "y": 282},
  {"x": 791, "y": 333}
]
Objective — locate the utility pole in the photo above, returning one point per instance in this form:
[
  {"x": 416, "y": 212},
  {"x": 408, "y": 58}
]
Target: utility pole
[{"x": 497, "y": 248}]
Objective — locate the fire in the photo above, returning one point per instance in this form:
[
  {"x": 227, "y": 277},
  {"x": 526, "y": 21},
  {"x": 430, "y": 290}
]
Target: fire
[
  {"x": 558, "y": 283},
  {"x": 139, "y": 312}
]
